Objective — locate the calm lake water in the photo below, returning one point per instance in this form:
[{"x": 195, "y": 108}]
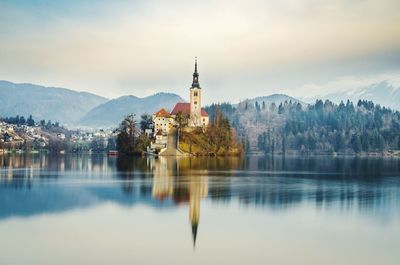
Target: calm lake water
[{"x": 256, "y": 210}]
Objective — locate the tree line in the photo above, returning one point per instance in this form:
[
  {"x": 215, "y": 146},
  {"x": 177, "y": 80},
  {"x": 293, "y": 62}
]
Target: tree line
[
  {"x": 323, "y": 126},
  {"x": 21, "y": 120}
]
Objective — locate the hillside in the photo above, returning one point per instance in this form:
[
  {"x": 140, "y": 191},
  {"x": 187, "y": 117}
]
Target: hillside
[
  {"x": 198, "y": 143},
  {"x": 48, "y": 103},
  {"x": 322, "y": 127},
  {"x": 112, "y": 112}
]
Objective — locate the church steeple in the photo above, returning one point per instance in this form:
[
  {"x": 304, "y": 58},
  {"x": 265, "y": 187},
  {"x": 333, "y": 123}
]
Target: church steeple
[
  {"x": 195, "y": 82},
  {"x": 194, "y": 233}
]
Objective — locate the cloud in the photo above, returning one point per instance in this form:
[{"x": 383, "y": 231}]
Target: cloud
[{"x": 129, "y": 47}]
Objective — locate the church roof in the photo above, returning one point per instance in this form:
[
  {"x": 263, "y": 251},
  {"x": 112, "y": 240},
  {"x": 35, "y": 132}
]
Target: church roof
[
  {"x": 162, "y": 113},
  {"x": 195, "y": 82},
  {"x": 185, "y": 109}
]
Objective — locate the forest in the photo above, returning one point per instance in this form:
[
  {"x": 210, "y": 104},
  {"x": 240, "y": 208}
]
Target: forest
[{"x": 321, "y": 127}]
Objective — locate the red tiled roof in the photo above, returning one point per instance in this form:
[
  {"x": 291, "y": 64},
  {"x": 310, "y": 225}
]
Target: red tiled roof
[
  {"x": 185, "y": 109},
  {"x": 162, "y": 113}
]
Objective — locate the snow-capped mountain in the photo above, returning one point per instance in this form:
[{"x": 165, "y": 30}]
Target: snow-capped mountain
[{"x": 386, "y": 93}]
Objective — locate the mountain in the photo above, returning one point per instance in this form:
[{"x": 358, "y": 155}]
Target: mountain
[
  {"x": 385, "y": 93},
  {"x": 112, "y": 112},
  {"x": 48, "y": 103},
  {"x": 275, "y": 98}
]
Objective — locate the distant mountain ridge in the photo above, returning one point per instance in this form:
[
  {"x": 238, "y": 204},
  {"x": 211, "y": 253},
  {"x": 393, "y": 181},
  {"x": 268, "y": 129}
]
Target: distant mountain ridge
[
  {"x": 112, "y": 112},
  {"x": 275, "y": 98},
  {"x": 384, "y": 93},
  {"x": 72, "y": 108},
  {"x": 49, "y": 103}
]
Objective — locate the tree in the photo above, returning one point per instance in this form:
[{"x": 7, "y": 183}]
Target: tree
[
  {"x": 182, "y": 119},
  {"x": 356, "y": 143},
  {"x": 247, "y": 144},
  {"x": 398, "y": 143},
  {"x": 273, "y": 146},
  {"x": 142, "y": 143},
  {"x": 145, "y": 121},
  {"x": 111, "y": 143},
  {"x": 49, "y": 124},
  {"x": 30, "y": 121},
  {"x": 220, "y": 132},
  {"x": 272, "y": 107},
  {"x": 311, "y": 142},
  {"x": 262, "y": 142},
  {"x": 22, "y": 120},
  {"x": 281, "y": 109},
  {"x": 126, "y": 139}
]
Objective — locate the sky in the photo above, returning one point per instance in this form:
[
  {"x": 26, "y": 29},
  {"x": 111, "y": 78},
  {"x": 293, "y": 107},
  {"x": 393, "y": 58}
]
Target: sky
[{"x": 244, "y": 48}]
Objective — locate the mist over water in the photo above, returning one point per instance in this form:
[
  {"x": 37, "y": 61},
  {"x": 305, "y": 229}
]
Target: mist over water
[{"x": 95, "y": 209}]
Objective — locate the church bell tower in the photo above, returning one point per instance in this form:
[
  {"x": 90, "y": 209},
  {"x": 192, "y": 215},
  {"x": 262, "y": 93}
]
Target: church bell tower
[{"x": 195, "y": 100}]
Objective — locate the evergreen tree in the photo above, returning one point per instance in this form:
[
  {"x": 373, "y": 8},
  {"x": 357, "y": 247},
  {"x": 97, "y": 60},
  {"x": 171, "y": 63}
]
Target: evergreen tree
[
  {"x": 398, "y": 143},
  {"x": 22, "y": 120},
  {"x": 145, "y": 121},
  {"x": 356, "y": 143},
  {"x": 30, "y": 121},
  {"x": 281, "y": 109},
  {"x": 284, "y": 144}
]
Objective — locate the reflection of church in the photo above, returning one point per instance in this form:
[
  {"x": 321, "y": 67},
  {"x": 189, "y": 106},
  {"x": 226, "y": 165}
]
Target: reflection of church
[{"x": 170, "y": 183}]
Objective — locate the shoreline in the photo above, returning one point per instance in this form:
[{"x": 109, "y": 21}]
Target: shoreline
[{"x": 392, "y": 154}]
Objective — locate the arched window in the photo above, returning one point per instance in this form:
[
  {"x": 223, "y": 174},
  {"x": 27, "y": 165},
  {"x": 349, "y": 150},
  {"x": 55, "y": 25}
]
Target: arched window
[{"x": 195, "y": 93}]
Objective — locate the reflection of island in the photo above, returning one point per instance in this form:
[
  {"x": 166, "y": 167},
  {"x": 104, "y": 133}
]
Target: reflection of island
[
  {"x": 174, "y": 178},
  {"x": 37, "y": 184}
]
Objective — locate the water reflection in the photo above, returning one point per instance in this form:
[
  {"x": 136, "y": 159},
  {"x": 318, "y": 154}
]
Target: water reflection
[
  {"x": 31, "y": 185},
  {"x": 172, "y": 179}
]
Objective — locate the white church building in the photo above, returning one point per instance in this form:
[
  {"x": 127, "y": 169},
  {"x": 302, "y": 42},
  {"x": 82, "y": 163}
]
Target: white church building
[{"x": 197, "y": 116}]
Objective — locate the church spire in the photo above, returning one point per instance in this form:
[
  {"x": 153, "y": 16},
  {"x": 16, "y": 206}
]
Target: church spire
[
  {"x": 194, "y": 233},
  {"x": 195, "y": 82}
]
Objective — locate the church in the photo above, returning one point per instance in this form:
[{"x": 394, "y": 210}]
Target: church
[{"x": 197, "y": 117}]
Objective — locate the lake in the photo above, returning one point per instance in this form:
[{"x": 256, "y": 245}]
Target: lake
[{"x": 94, "y": 209}]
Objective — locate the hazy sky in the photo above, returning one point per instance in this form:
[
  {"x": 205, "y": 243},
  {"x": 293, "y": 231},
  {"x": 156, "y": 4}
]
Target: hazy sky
[{"x": 245, "y": 48}]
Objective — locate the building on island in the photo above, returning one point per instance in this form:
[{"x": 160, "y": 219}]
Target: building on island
[
  {"x": 163, "y": 121},
  {"x": 197, "y": 117}
]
